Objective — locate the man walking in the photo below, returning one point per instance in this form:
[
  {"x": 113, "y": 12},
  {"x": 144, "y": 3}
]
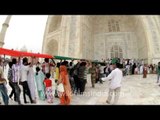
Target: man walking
[
  {"x": 115, "y": 78},
  {"x": 3, "y": 89},
  {"x": 158, "y": 72}
]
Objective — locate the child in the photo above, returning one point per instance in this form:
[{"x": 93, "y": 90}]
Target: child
[{"x": 48, "y": 88}]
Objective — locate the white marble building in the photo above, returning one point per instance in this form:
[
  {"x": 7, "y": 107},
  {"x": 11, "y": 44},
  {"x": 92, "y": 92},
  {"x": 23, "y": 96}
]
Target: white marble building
[{"x": 103, "y": 36}]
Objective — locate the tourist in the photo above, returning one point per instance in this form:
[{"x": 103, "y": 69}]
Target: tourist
[
  {"x": 39, "y": 78},
  {"x": 136, "y": 70},
  {"x": 97, "y": 73},
  {"x": 46, "y": 67},
  {"x": 3, "y": 89},
  {"x": 145, "y": 71},
  {"x": 158, "y": 72},
  {"x": 48, "y": 88},
  {"x": 133, "y": 68},
  {"x": 56, "y": 79},
  {"x": 65, "y": 97},
  {"x": 82, "y": 76},
  {"x": 31, "y": 83},
  {"x": 101, "y": 73},
  {"x": 115, "y": 85},
  {"x": 106, "y": 70},
  {"x": 141, "y": 69},
  {"x": 23, "y": 79},
  {"x": 71, "y": 74},
  {"x": 10, "y": 77},
  {"x": 15, "y": 79},
  {"x": 127, "y": 69},
  {"x": 154, "y": 69},
  {"x": 88, "y": 66},
  {"x": 93, "y": 74},
  {"x": 52, "y": 69},
  {"x": 75, "y": 76}
]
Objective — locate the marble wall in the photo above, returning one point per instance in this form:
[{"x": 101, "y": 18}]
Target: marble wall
[
  {"x": 86, "y": 32},
  {"x": 104, "y": 39},
  {"x": 92, "y": 37}
]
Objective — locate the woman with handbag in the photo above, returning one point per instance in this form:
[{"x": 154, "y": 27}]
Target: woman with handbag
[{"x": 64, "y": 95}]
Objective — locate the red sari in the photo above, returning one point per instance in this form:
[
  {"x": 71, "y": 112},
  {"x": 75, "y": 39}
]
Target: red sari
[{"x": 65, "y": 97}]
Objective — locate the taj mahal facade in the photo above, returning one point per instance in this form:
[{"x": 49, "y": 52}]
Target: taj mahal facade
[{"x": 103, "y": 36}]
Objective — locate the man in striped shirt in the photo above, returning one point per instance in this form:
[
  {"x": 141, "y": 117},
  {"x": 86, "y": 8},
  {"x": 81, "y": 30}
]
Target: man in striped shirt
[{"x": 15, "y": 79}]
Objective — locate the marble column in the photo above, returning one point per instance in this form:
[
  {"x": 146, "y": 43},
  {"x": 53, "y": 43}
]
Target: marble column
[{"x": 74, "y": 39}]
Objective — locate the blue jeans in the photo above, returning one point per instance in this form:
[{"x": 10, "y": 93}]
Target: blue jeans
[{"x": 3, "y": 91}]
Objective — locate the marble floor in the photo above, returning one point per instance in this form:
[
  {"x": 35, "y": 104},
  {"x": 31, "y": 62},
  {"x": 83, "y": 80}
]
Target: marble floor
[{"x": 135, "y": 90}]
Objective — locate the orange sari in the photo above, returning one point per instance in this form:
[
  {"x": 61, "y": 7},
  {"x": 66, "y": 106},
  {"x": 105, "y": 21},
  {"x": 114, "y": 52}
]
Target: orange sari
[{"x": 65, "y": 97}]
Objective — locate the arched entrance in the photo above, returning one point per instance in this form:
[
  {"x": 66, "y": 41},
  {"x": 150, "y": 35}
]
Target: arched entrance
[
  {"x": 116, "y": 52},
  {"x": 126, "y": 31}
]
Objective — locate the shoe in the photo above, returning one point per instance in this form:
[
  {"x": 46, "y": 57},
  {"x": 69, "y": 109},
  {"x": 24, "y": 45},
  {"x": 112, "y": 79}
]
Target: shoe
[
  {"x": 26, "y": 102},
  {"x": 10, "y": 97},
  {"x": 107, "y": 102},
  {"x": 56, "y": 96},
  {"x": 34, "y": 101},
  {"x": 20, "y": 104}
]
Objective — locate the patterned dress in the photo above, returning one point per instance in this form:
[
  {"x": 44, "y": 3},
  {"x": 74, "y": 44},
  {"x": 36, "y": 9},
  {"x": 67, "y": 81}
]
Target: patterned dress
[{"x": 48, "y": 90}]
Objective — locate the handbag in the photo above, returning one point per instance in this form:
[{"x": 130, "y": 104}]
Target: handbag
[{"x": 60, "y": 87}]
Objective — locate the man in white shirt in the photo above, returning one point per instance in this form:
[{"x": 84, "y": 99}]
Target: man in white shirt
[
  {"x": 115, "y": 78},
  {"x": 23, "y": 78}
]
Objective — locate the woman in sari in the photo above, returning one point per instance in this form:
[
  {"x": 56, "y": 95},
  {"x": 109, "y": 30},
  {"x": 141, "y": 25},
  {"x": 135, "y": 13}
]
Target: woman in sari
[{"x": 65, "y": 97}]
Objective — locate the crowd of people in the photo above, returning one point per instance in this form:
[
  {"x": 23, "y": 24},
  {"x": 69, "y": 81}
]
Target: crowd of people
[
  {"x": 40, "y": 77},
  {"x": 33, "y": 78}
]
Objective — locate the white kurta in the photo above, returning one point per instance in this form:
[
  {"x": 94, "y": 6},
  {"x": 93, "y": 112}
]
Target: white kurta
[
  {"x": 116, "y": 77},
  {"x": 141, "y": 69},
  {"x": 31, "y": 83}
]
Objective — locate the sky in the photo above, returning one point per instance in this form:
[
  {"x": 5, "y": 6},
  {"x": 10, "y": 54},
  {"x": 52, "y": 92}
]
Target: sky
[{"x": 25, "y": 30}]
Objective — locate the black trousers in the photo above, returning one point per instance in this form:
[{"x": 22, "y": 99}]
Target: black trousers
[
  {"x": 26, "y": 91},
  {"x": 82, "y": 85},
  {"x": 17, "y": 92},
  {"x": 11, "y": 84},
  {"x": 72, "y": 83},
  {"x": 76, "y": 81}
]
